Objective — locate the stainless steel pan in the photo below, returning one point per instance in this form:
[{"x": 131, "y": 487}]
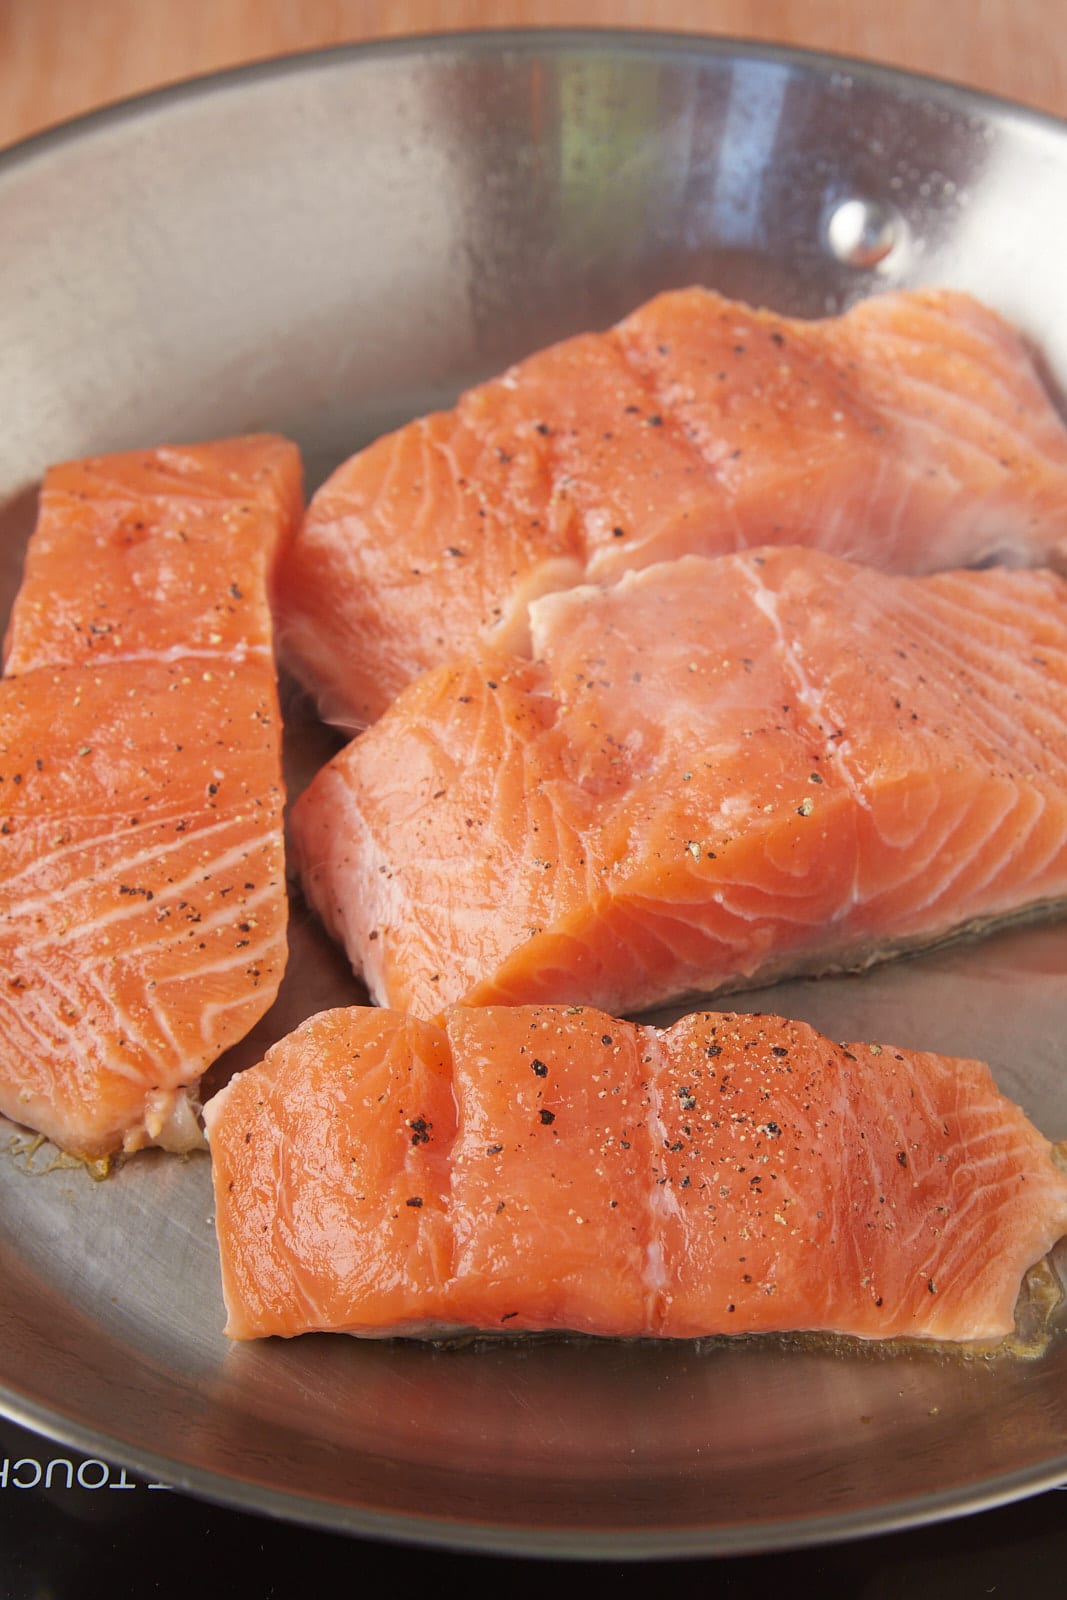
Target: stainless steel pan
[{"x": 326, "y": 246}]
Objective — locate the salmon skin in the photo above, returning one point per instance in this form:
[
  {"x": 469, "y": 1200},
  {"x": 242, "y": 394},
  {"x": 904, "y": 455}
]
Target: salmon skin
[
  {"x": 717, "y": 772},
  {"x": 523, "y": 1169},
  {"x": 912, "y": 433},
  {"x": 142, "y": 881}
]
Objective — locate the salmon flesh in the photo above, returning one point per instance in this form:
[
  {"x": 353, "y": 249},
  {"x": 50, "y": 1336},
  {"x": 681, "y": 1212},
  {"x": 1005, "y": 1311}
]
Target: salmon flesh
[
  {"x": 715, "y": 773},
  {"x": 521, "y": 1169},
  {"x": 913, "y": 433},
  {"x": 142, "y": 880}
]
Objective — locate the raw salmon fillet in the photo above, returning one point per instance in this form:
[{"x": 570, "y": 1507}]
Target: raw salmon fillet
[
  {"x": 912, "y": 433},
  {"x": 134, "y": 553},
  {"x": 717, "y": 772},
  {"x": 519, "y": 1169},
  {"x": 142, "y": 883}
]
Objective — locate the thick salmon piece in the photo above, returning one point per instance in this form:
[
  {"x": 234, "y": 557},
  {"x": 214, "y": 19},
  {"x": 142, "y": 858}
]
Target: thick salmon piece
[
  {"x": 528, "y": 1168},
  {"x": 142, "y": 880},
  {"x": 912, "y": 433},
  {"x": 717, "y": 772}
]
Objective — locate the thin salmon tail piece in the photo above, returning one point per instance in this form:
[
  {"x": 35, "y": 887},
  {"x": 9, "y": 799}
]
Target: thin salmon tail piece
[
  {"x": 143, "y": 904},
  {"x": 152, "y": 549},
  {"x": 912, "y": 433},
  {"x": 527, "y": 1169}
]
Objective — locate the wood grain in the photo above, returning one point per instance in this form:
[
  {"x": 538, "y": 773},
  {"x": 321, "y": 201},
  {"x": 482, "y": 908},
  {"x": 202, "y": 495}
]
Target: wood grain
[{"x": 59, "y": 58}]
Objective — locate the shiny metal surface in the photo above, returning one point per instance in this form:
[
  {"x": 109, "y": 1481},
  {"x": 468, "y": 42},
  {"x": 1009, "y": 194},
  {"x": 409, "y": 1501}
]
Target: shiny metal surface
[{"x": 326, "y": 247}]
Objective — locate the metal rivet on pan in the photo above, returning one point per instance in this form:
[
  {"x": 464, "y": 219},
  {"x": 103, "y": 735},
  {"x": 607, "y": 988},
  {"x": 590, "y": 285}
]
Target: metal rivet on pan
[{"x": 862, "y": 233}]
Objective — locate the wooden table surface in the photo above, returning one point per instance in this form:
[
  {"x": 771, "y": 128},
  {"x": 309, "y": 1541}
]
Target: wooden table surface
[{"x": 62, "y": 57}]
